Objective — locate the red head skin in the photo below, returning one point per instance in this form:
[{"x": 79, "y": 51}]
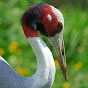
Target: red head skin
[
  {"x": 51, "y": 27},
  {"x": 28, "y": 31}
]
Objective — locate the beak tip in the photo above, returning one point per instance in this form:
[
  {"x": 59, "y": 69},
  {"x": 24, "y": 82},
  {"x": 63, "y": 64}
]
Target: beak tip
[
  {"x": 65, "y": 76},
  {"x": 65, "y": 73}
]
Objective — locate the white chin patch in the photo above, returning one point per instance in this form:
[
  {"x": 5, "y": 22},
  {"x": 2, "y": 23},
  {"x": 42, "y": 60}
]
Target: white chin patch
[{"x": 49, "y": 17}]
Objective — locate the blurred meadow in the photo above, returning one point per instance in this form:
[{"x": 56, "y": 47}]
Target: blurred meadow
[{"x": 18, "y": 53}]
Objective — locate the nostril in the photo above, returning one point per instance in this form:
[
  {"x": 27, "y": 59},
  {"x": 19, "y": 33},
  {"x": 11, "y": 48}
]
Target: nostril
[{"x": 62, "y": 52}]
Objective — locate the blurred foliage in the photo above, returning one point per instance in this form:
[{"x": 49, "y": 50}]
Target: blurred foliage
[{"x": 16, "y": 50}]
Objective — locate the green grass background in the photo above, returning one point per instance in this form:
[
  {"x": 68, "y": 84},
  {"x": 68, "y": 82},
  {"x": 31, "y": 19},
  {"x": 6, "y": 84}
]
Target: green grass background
[{"x": 22, "y": 58}]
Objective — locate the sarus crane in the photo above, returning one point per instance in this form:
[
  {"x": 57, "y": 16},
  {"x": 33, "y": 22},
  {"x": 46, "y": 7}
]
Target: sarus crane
[{"x": 48, "y": 21}]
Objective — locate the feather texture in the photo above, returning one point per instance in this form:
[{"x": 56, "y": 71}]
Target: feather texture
[{"x": 44, "y": 75}]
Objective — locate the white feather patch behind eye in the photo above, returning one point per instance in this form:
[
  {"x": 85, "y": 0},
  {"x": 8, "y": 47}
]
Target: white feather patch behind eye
[{"x": 49, "y": 17}]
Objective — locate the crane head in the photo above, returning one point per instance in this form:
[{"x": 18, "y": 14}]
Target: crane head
[{"x": 50, "y": 22}]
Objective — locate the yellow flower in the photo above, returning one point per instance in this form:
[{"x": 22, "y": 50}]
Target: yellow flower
[
  {"x": 56, "y": 63},
  {"x": 22, "y": 71},
  {"x": 78, "y": 65},
  {"x": 66, "y": 85},
  {"x": 2, "y": 52},
  {"x": 19, "y": 70},
  {"x": 18, "y": 51},
  {"x": 26, "y": 70},
  {"x": 13, "y": 46}
]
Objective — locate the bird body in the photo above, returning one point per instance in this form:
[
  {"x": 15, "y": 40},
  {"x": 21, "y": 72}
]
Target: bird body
[
  {"x": 49, "y": 21},
  {"x": 44, "y": 76}
]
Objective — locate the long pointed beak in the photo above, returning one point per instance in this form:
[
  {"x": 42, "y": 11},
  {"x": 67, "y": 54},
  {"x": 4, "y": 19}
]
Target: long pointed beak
[{"x": 58, "y": 44}]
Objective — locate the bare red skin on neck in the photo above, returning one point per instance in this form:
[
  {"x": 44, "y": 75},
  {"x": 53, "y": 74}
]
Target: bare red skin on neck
[{"x": 29, "y": 32}]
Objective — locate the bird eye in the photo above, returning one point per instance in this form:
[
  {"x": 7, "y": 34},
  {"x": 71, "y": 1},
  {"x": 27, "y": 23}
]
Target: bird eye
[{"x": 49, "y": 17}]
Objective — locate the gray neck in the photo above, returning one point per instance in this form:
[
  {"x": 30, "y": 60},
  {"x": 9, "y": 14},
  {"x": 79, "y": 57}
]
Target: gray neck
[{"x": 45, "y": 72}]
